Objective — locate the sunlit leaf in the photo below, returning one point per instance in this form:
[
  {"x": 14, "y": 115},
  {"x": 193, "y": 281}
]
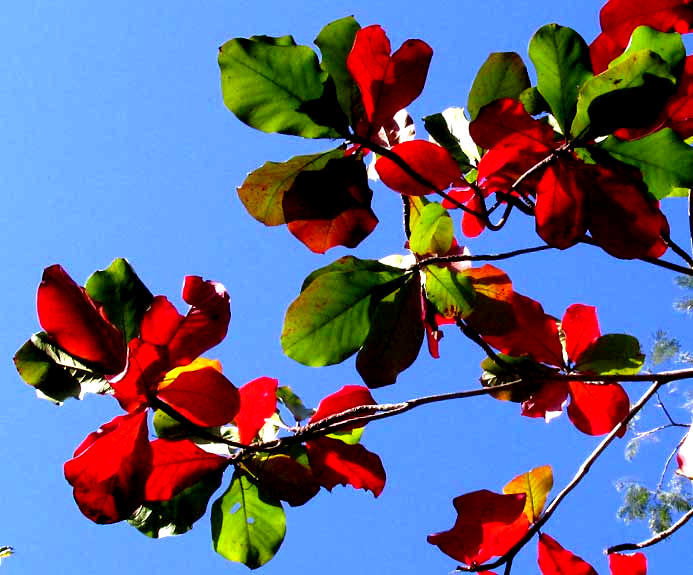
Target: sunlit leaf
[
  {"x": 581, "y": 329},
  {"x": 621, "y": 564},
  {"x": 284, "y": 478},
  {"x": 535, "y": 484},
  {"x": 612, "y": 354},
  {"x": 433, "y": 231},
  {"x": 348, "y": 397},
  {"x": 555, "y": 560},
  {"x": 450, "y": 291},
  {"x": 445, "y": 129},
  {"x": 595, "y": 409},
  {"x": 502, "y": 75},
  {"x": 293, "y": 403},
  {"x": 669, "y": 47},
  {"x": 258, "y": 403}
]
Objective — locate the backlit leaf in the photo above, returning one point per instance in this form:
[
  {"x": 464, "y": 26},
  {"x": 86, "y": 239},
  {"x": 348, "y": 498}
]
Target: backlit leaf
[
  {"x": 581, "y": 329},
  {"x": 293, "y": 403},
  {"x": 347, "y": 397},
  {"x": 248, "y": 525},
  {"x": 433, "y": 231},
  {"x": 450, "y": 291},
  {"x": 555, "y": 560},
  {"x": 622, "y": 564},
  {"x": 284, "y": 478},
  {"x": 258, "y": 403},
  {"x": 612, "y": 354},
  {"x": 535, "y": 484},
  {"x": 669, "y": 47},
  {"x": 684, "y": 457},
  {"x": 502, "y": 75},
  {"x": 595, "y": 409},
  {"x": 444, "y": 128}
]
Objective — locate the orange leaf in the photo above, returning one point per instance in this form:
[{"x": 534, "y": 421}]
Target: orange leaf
[{"x": 535, "y": 484}]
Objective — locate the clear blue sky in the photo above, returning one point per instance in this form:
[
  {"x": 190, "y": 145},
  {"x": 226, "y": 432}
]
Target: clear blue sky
[{"x": 115, "y": 142}]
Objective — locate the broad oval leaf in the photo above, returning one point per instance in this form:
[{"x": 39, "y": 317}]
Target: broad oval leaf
[
  {"x": 581, "y": 329},
  {"x": 595, "y": 409},
  {"x": 621, "y": 564},
  {"x": 277, "y": 87},
  {"x": 433, "y": 231},
  {"x": 535, "y": 484},
  {"x": 285, "y": 478},
  {"x": 347, "y": 397},
  {"x": 612, "y": 354},
  {"x": 450, "y": 291},
  {"x": 248, "y": 525},
  {"x": 258, "y": 403},
  {"x": 502, "y": 75},
  {"x": 555, "y": 560}
]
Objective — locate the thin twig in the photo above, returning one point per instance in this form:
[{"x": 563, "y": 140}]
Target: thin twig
[
  {"x": 678, "y": 250},
  {"x": 406, "y": 216},
  {"x": 655, "y": 539},
  {"x": 668, "y": 462},
  {"x": 474, "y": 336},
  {"x": 690, "y": 216},
  {"x": 582, "y": 471},
  {"x": 436, "y": 260}
]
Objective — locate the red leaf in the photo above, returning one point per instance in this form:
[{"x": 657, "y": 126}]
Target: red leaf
[
  {"x": 73, "y": 321},
  {"x": 110, "y": 467},
  {"x": 560, "y": 207},
  {"x": 488, "y": 524},
  {"x": 431, "y": 161},
  {"x": 258, "y": 402},
  {"x": 602, "y": 51},
  {"x": 146, "y": 366},
  {"x": 581, "y": 329},
  {"x": 330, "y": 207},
  {"x": 684, "y": 457},
  {"x": 387, "y": 83},
  {"x": 555, "y": 560},
  {"x": 547, "y": 402},
  {"x": 346, "y": 398},
  {"x": 472, "y": 226},
  {"x": 336, "y": 463},
  {"x": 635, "y": 564},
  {"x": 203, "y": 396},
  {"x": 595, "y": 409},
  {"x": 160, "y": 322},
  {"x": 177, "y": 465}
]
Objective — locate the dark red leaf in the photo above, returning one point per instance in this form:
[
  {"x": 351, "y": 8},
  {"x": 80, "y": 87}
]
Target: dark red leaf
[
  {"x": 110, "y": 467},
  {"x": 387, "y": 83},
  {"x": 595, "y": 409},
  {"x": 177, "y": 465},
  {"x": 284, "y": 478},
  {"x": 472, "y": 226},
  {"x": 620, "y": 564},
  {"x": 488, "y": 524},
  {"x": 555, "y": 560},
  {"x": 348, "y": 397},
  {"x": 337, "y": 463},
  {"x": 203, "y": 396},
  {"x": 547, "y": 402},
  {"x": 147, "y": 364},
  {"x": 602, "y": 51},
  {"x": 330, "y": 207},
  {"x": 431, "y": 161},
  {"x": 581, "y": 329},
  {"x": 74, "y": 323},
  {"x": 258, "y": 402}
]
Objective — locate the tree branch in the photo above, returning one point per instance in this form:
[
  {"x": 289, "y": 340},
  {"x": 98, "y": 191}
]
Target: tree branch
[
  {"x": 655, "y": 539},
  {"x": 479, "y": 258}
]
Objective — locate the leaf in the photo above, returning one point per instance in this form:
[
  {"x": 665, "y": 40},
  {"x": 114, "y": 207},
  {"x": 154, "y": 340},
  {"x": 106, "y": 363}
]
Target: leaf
[
  {"x": 54, "y": 373},
  {"x": 248, "y": 526},
  {"x": 258, "y": 403},
  {"x": 110, "y": 467},
  {"x": 555, "y": 560},
  {"x": 262, "y": 192},
  {"x": 293, "y": 403},
  {"x": 621, "y": 564},
  {"x": 335, "y": 41},
  {"x": 331, "y": 318},
  {"x": 450, "y": 291},
  {"x": 72, "y": 320},
  {"x": 346, "y": 398},
  {"x": 345, "y": 264},
  {"x": 488, "y": 524},
  {"x": 178, "y": 465},
  {"x": 533, "y": 102},
  {"x": 395, "y": 338},
  {"x": 337, "y": 463},
  {"x": 122, "y": 294},
  {"x": 535, "y": 484},
  {"x": 331, "y": 206},
  {"x": 665, "y": 161},
  {"x": 669, "y": 47},
  {"x": 284, "y": 478},
  {"x": 432, "y": 232},
  {"x": 494, "y": 375},
  {"x": 177, "y": 515},
  {"x": 626, "y": 95},
  {"x": 279, "y": 87},
  {"x": 580, "y": 328},
  {"x": 595, "y": 409},
  {"x": 445, "y": 130},
  {"x": 387, "y": 82},
  {"x": 562, "y": 60},
  {"x": 502, "y": 75},
  {"x": 432, "y": 162},
  {"x": 684, "y": 457},
  {"x": 612, "y": 354}
]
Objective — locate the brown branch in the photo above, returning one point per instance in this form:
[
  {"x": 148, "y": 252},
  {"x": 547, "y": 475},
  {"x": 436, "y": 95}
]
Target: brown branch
[
  {"x": 678, "y": 250},
  {"x": 690, "y": 216},
  {"x": 436, "y": 260},
  {"x": 655, "y": 539},
  {"x": 582, "y": 471}
]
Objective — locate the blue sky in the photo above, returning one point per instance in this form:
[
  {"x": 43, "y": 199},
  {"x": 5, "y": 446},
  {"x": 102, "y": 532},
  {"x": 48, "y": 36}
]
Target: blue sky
[{"x": 116, "y": 143}]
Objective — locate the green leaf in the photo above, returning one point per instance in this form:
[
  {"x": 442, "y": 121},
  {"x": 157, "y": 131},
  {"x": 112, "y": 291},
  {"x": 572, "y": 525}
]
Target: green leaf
[
  {"x": 335, "y": 41},
  {"x": 665, "y": 161},
  {"x": 627, "y": 95},
  {"x": 533, "y": 101},
  {"x": 450, "y": 291},
  {"x": 432, "y": 232},
  {"x": 441, "y": 130},
  {"x": 395, "y": 338},
  {"x": 263, "y": 190},
  {"x": 503, "y": 75},
  {"x": 345, "y": 264},
  {"x": 275, "y": 86},
  {"x": 293, "y": 403},
  {"x": 169, "y": 427},
  {"x": 54, "y": 373},
  {"x": 248, "y": 526},
  {"x": 668, "y": 46},
  {"x": 330, "y": 319},
  {"x": 177, "y": 515},
  {"x": 562, "y": 60},
  {"x": 494, "y": 375},
  {"x": 351, "y": 437},
  {"x": 123, "y": 295},
  {"x": 613, "y": 354}
]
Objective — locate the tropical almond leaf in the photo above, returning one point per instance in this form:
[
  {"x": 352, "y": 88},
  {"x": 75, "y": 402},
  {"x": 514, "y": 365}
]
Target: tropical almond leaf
[
  {"x": 666, "y": 161},
  {"x": 535, "y": 484},
  {"x": 433, "y": 231},
  {"x": 258, "y": 403},
  {"x": 450, "y": 291},
  {"x": 621, "y": 564},
  {"x": 445, "y": 129},
  {"x": 275, "y": 86},
  {"x": 668, "y": 46},
  {"x": 331, "y": 317},
  {"x": 263, "y": 190},
  {"x": 348, "y": 397},
  {"x": 612, "y": 354},
  {"x": 555, "y": 560},
  {"x": 248, "y": 526},
  {"x": 284, "y": 478},
  {"x": 502, "y": 75},
  {"x": 293, "y": 403},
  {"x": 562, "y": 60},
  {"x": 54, "y": 373}
]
